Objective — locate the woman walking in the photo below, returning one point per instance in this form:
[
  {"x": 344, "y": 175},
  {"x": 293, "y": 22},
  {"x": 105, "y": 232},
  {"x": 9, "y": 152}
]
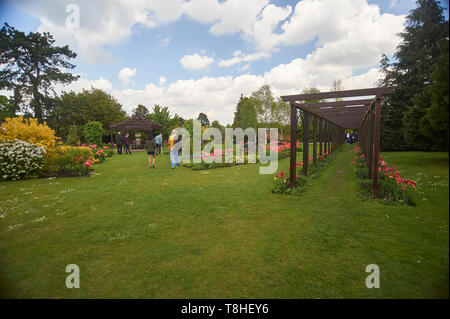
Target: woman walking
[
  {"x": 150, "y": 146},
  {"x": 174, "y": 154}
]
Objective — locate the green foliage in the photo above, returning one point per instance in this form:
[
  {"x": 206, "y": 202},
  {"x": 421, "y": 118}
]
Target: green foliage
[
  {"x": 6, "y": 108},
  {"x": 69, "y": 159},
  {"x": 72, "y": 137},
  {"x": 245, "y": 115},
  {"x": 161, "y": 114},
  {"x": 93, "y": 132},
  {"x": 435, "y": 122},
  {"x": 203, "y": 118},
  {"x": 403, "y": 117},
  {"x": 141, "y": 110},
  {"x": 264, "y": 104},
  {"x": 79, "y": 108},
  {"x": 31, "y": 65}
]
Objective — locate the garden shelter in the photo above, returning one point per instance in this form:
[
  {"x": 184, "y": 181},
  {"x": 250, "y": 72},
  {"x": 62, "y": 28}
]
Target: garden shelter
[{"x": 136, "y": 122}]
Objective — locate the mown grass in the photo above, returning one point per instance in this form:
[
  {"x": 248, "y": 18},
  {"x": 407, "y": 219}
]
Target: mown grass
[{"x": 137, "y": 232}]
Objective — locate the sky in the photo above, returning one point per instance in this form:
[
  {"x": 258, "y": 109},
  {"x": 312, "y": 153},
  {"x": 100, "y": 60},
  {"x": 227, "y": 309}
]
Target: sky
[{"x": 201, "y": 55}]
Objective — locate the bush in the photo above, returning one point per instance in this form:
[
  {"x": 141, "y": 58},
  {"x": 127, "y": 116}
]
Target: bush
[
  {"x": 72, "y": 137},
  {"x": 20, "y": 159},
  {"x": 28, "y": 130},
  {"x": 93, "y": 132},
  {"x": 70, "y": 158}
]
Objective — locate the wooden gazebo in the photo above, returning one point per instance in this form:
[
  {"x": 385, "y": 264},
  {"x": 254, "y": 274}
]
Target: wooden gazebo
[
  {"x": 136, "y": 122},
  {"x": 331, "y": 118}
]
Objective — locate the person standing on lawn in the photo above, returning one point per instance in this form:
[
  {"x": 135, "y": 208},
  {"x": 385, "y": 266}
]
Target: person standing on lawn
[
  {"x": 150, "y": 147},
  {"x": 174, "y": 154},
  {"x": 119, "y": 142},
  {"x": 158, "y": 142},
  {"x": 126, "y": 142}
]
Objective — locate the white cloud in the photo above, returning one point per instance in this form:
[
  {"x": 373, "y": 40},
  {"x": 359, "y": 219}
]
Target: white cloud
[
  {"x": 218, "y": 96},
  {"x": 125, "y": 74},
  {"x": 265, "y": 26},
  {"x": 162, "y": 81},
  {"x": 196, "y": 61},
  {"x": 101, "y": 23},
  {"x": 240, "y": 57}
]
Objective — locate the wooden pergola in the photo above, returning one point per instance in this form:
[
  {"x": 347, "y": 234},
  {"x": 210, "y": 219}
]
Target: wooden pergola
[
  {"x": 136, "y": 122},
  {"x": 331, "y": 118}
]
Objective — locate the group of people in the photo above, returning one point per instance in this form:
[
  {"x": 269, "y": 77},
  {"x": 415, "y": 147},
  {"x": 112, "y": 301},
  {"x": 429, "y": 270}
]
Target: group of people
[
  {"x": 153, "y": 146},
  {"x": 351, "y": 137},
  {"x": 123, "y": 141}
]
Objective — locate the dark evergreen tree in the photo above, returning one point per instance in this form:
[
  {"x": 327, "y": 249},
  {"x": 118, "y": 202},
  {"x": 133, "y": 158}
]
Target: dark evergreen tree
[
  {"x": 30, "y": 65},
  {"x": 410, "y": 73}
]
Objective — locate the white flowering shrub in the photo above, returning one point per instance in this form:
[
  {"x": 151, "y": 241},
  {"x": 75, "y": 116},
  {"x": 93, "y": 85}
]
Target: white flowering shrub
[{"x": 20, "y": 159}]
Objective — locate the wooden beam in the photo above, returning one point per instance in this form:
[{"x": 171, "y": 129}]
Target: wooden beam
[
  {"x": 338, "y": 94},
  {"x": 321, "y": 137},
  {"x": 312, "y": 112},
  {"x": 293, "y": 141},
  {"x": 338, "y": 104},
  {"x": 376, "y": 146},
  {"x": 315, "y": 141},
  {"x": 306, "y": 119}
]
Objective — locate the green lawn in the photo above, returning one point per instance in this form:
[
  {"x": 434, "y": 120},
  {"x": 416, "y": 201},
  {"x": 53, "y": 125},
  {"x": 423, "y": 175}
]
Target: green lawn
[{"x": 137, "y": 232}]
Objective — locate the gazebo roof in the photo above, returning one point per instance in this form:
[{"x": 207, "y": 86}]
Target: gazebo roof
[{"x": 136, "y": 122}]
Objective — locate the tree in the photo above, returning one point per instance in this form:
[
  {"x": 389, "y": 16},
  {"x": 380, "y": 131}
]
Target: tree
[
  {"x": 93, "y": 132},
  {"x": 6, "y": 108},
  {"x": 72, "y": 137},
  {"x": 265, "y": 104},
  {"x": 217, "y": 125},
  {"x": 402, "y": 114},
  {"x": 245, "y": 115},
  {"x": 79, "y": 108},
  {"x": 203, "y": 118},
  {"x": 336, "y": 86},
  {"x": 141, "y": 110},
  {"x": 161, "y": 114},
  {"x": 434, "y": 123},
  {"x": 31, "y": 65}
]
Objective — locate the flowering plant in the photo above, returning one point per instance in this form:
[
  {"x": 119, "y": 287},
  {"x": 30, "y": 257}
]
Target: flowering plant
[
  {"x": 391, "y": 185},
  {"x": 70, "y": 158},
  {"x": 20, "y": 159}
]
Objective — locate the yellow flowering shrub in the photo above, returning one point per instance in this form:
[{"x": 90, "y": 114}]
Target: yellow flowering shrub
[{"x": 28, "y": 130}]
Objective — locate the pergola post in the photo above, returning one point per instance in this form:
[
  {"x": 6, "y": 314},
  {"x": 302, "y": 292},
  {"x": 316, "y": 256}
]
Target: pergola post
[
  {"x": 329, "y": 138},
  {"x": 306, "y": 120},
  {"x": 315, "y": 140},
  {"x": 370, "y": 146},
  {"x": 376, "y": 145},
  {"x": 293, "y": 141},
  {"x": 321, "y": 137}
]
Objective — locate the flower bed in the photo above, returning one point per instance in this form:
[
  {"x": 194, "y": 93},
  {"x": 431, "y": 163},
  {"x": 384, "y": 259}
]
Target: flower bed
[
  {"x": 20, "y": 159},
  {"x": 29, "y": 149},
  {"x": 392, "y": 187},
  {"x": 282, "y": 180}
]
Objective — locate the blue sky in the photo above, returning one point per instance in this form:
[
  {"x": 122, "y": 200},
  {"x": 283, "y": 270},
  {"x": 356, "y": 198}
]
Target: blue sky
[{"x": 174, "y": 53}]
